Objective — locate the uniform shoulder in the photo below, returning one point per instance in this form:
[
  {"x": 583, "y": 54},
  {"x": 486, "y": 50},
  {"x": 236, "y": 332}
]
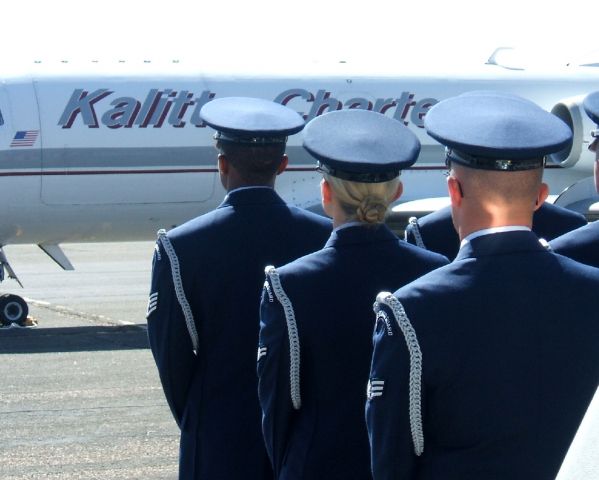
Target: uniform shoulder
[
  {"x": 302, "y": 277},
  {"x": 578, "y": 281},
  {"x": 438, "y": 217},
  {"x": 433, "y": 284},
  {"x": 584, "y": 233},
  {"x": 319, "y": 221},
  {"x": 312, "y": 264},
  {"x": 197, "y": 228},
  {"x": 425, "y": 256},
  {"x": 565, "y": 213},
  {"x": 551, "y": 221},
  {"x": 437, "y": 227},
  {"x": 578, "y": 264}
]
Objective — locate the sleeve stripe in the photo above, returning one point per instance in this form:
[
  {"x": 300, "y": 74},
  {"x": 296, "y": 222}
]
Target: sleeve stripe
[
  {"x": 294, "y": 345},
  {"x": 180, "y": 293},
  {"x": 262, "y": 351},
  {"x": 152, "y": 303},
  {"x": 415, "y": 388}
]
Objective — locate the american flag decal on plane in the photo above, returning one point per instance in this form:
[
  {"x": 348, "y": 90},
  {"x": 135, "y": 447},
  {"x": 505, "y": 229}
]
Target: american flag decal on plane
[{"x": 24, "y": 138}]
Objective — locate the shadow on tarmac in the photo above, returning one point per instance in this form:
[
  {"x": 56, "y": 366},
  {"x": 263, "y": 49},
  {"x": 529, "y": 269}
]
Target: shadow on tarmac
[{"x": 73, "y": 339}]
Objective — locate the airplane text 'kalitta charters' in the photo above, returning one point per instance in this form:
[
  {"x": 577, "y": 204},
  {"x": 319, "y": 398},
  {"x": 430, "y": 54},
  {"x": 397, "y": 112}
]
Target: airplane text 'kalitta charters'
[
  {"x": 114, "y": 151},
  {"x": 179, "y": 108}
]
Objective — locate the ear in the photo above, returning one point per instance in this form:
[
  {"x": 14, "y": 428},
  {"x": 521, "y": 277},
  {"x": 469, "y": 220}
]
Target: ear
[
  {"x": 455, "y": 191},
  {"x": 283, "y": 165},
  {"x": 326, "y": 195},
  {"x": 398, "y": 192},
  {"x": 223, "y": 165},
  {"x": 325, "y": 192},
  {"x": 542, "y": 195}
]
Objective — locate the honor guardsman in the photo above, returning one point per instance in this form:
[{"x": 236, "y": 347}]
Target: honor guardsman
[
  {"x": 203, "y": 316},
  {"x": 487, "y": 365},
  {"x": 316, "y": 313}
]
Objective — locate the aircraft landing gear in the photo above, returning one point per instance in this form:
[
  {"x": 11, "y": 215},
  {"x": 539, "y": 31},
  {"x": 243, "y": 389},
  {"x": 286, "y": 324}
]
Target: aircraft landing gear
[{"x": 13, "y": 309}]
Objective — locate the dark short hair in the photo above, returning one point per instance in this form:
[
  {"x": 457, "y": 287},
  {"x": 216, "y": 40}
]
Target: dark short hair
[{"x": 254, "y": 163}]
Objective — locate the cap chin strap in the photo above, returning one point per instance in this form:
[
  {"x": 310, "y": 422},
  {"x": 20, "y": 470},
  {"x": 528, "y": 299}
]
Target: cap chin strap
[
  {"x": 485, "y": 163},
  {"x": 255, "y": 140},
  {"x": 374, "y": 177}
]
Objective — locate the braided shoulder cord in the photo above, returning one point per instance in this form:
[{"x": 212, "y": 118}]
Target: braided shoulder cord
[
  {"x": 415, "y": 228},
  {"x": 179, "y": 291},
  {"x": 294, "y": 345},
  {"x": 415, "y": 386}
]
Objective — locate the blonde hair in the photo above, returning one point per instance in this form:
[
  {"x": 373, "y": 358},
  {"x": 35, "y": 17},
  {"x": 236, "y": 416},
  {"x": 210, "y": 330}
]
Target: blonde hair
[{"x": 365, "y": 202}]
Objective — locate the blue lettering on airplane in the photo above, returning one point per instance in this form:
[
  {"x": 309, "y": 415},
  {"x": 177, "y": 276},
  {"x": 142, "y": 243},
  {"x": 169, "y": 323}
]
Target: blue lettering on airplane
[{"x": 171, "y": 107}]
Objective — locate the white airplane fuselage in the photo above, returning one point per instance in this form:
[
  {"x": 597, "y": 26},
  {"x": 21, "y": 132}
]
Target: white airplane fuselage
[{"x": 110, "y": 154}]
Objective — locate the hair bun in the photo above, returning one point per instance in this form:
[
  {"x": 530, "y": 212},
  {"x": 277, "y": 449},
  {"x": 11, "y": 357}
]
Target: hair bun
[{"x": 371, "y": 210}]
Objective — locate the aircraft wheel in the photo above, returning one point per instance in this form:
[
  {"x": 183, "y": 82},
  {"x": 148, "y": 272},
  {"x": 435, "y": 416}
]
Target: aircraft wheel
[{"x": 13, "y": 309}]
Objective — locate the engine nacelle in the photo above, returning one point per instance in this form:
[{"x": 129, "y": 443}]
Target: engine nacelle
[{"x": 571, "y": 111}]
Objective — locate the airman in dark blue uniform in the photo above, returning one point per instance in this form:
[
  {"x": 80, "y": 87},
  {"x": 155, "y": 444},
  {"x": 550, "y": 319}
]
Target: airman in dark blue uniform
[
  {"x": 315, "y": 329},
  {"x": 583, "y": 244},
  {"x": 482, "y": 369},
  {"x": 203, "y": 315}
]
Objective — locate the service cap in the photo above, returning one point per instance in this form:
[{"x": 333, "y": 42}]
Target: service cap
[
  {"x": 250, "y": 120},
  {"x": 360, "y": 145},
  {"x": 496, "y": 131}
]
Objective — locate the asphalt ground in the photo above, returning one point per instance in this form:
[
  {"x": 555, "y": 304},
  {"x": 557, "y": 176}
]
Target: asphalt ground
[{"x": 79, "y": 392}]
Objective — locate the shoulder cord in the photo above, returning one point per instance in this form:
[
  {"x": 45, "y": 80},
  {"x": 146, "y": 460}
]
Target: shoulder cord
[
  {"x": 415, "y": 228},
  {"x": 294, "y": 345},
  {"x": 415, "y": 387},
  {"x": 179, "y": 291}
]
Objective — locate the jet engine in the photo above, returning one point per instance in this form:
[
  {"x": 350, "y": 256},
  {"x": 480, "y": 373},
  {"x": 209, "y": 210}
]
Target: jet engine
[
  {"x": 571, "y": 111},
  {"x": 581, "y": 196}
]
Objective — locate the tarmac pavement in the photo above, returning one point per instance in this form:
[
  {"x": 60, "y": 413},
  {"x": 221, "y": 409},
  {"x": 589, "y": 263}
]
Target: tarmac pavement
[{"x": 80, "y": 396}]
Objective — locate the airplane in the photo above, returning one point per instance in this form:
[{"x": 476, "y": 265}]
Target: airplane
[{"x": 112, "y": 151}]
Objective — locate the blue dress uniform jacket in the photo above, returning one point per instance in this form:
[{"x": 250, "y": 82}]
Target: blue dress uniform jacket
[
  {"x": 316, "y": 318},
  {"x": 438, "y": 234},
  {"x": 483, "y": 369},
  {"x": 582, "y": 244},
  {"x": 221, "y": 258}
]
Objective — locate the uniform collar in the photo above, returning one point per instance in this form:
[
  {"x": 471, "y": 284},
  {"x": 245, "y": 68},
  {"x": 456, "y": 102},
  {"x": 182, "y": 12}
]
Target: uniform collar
[
  {"x": 251, "y": 196},
  {"x": 356, "y": 232},
  {"x": 490, "y": 231},
  {"x": 348, "y": 225},
  {"x": 501, "y": 243}
]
